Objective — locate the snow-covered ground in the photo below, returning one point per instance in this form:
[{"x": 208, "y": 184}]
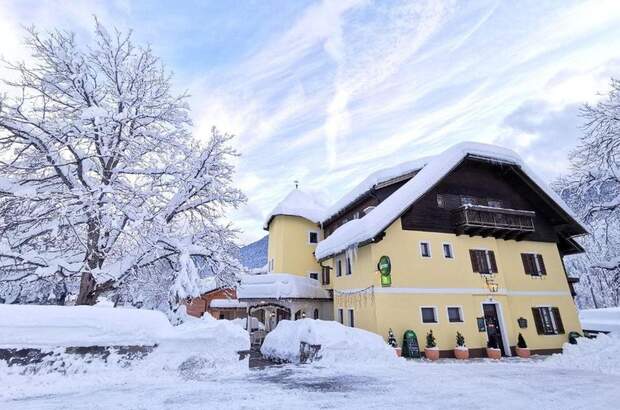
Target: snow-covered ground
[{"x": 183, "y": 371}]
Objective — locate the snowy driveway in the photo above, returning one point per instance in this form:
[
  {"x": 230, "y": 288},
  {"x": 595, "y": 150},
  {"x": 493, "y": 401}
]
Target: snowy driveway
[{"x": 447, "y": 384}]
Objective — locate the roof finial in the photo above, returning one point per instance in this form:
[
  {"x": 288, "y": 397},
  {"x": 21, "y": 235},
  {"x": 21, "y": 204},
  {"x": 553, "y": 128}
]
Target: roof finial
[{"x": 296, "y": 184}]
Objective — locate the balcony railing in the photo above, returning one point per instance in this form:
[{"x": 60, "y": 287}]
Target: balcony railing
[{"x": 489, "y": 221}]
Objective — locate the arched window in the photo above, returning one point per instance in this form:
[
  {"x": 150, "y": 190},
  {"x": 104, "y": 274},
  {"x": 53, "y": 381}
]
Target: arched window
[{"x": 316, "y": 313}]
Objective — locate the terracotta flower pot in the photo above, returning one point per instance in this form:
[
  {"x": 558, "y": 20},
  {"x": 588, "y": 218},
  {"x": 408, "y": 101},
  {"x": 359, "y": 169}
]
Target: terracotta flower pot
[
  {"x": 494, "y": 353},
  {"x": 523, "y": 352},
  {"x": 431, "y": 353},
  {"x": 461, "y": 354},
  {"x": 399, "y": 351}
]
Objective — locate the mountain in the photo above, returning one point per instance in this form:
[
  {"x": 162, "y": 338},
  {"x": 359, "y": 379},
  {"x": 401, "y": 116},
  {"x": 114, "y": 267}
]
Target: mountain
[{"x": 254, "y": 255}]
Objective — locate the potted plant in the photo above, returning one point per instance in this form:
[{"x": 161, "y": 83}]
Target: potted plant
[
  {"x": 392, "y": 342},
  {"x": 461, "y": 351},
  {"x": 430, "y": 350},
  {"x": 522, "y": 350},
  {"x": 493, "y": 351}
]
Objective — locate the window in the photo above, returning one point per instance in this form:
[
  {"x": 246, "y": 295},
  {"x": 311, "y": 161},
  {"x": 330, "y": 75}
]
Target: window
[
  {"x": 425, "y": 249},
  {"x": 455, "y": 314},
  {"x": 351, "y": 318},
  {"x": 483, "y": 261},
  {"x": 314, "y": 275},
  {"x": 349, "y": 271},
  {"x": 339, "y": 267},
  {"x": 341, "y": 316},
  {"x": 271, "y": 265},
  {"x": 316, "y": 314},
  {"x": 325, "y": 275},
  {"x": 533, "y": 264},
  {"x": 429, "y": 314},
  {"x": 548, "y": 320},
  {"x": 313, "y": 237},
  {"x": 447, "y": 251}
]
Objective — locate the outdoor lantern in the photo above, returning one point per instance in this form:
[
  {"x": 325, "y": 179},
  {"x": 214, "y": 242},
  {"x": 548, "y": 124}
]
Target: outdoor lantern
[{"x": 303, "y": 315}]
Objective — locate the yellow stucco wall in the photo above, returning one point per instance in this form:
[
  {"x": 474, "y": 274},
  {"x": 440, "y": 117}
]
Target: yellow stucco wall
[
  {"x": 289, "y": 247},
  {"x": 441, "y": 282}
]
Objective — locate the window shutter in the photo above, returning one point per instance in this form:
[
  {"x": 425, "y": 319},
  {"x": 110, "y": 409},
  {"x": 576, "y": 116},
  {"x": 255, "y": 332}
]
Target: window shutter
[
  {"x": 538, "y": 321},
  {"x": 526, "y": 263},
  {"x": 483, "y": 265},
  {"x": 541, "y": 263},
  {"x": 558, "y": 320},
  {"x": 493, "y": 263},
  {"x": 474, "y": 261}
]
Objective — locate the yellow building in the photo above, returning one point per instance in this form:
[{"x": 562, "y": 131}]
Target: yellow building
[{"x": 470, "y": 241}]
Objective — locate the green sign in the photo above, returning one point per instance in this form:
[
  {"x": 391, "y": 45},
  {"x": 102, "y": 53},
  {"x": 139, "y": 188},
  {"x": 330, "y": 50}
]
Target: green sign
[{"x": 385, "y": 268}]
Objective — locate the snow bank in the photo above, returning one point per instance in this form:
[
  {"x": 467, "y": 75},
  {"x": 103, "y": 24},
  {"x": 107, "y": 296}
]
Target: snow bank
[
  {"x": 598, "y": 355},
  {"x": 280, "y": 286},
  {"x": 298, "y": 203},
  {"x": 243, "y": 322},
  {"x": 193, "y": 347},
  {"x": 44, "y": 326},
  {"x": 339, "y": 344},
  {"x": 606, "y": 320},
  {"x": 369, "y": 226}
]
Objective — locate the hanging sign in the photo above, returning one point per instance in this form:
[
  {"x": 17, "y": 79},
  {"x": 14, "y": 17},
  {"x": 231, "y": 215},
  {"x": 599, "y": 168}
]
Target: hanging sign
[{"x": 385, "y": 268}]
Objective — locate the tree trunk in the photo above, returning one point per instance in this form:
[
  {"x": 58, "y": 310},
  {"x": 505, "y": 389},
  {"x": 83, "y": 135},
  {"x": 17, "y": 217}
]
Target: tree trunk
[{"x": 87, "y": 294}]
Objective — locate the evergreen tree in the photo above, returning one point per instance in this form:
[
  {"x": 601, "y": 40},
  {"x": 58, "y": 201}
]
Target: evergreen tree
[
  {"x": 391, "y": 339},
  {"x": 460, "y": 340},
  {"x": 430, "y": 340},
  {"x": 521, "y": 342}
]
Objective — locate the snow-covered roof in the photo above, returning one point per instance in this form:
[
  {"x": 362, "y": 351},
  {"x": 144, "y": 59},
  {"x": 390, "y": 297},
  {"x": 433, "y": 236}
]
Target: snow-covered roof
[
  {"x": 374, "y": 179},
  {"x": 227, "y": 304},
  {"x": 298, "y": 203},
  {"x": 360, "y": 230},
  {"x": 280, "y": 286}
]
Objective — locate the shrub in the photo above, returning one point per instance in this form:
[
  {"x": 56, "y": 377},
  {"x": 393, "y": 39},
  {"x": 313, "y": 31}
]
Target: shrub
[
  {"x": 460, "y": 340},
  {"x": 430, "y": 340},
  {"x": 521, "y": 342}
]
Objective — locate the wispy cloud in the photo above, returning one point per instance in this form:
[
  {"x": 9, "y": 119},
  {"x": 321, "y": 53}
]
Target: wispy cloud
[{"x": 325, "y": 92}]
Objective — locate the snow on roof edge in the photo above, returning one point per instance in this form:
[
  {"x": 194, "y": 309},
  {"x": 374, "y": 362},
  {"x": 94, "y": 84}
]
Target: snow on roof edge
[
  {"x": 359, "y": 230},
  {"x": 297, "y": 203}
]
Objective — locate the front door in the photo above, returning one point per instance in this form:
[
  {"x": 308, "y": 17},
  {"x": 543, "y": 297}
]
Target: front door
[{"x": 493, "y": 326}]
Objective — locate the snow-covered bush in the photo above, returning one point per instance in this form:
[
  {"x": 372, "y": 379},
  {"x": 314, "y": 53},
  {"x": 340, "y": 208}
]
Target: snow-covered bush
[{"x": 339, "y": 344}]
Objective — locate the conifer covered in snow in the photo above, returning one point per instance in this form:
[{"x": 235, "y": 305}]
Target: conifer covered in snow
[
  {"x": 593, "y": 190},
  {"x": 101, "y": 178}
]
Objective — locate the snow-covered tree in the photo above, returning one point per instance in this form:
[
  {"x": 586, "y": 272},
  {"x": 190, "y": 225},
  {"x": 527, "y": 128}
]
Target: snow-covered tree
[
  {"x": 593, "y": 190},
  {"x": 101, "y": 178}
]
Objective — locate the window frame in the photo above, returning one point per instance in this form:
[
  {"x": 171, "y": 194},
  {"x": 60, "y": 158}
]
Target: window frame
[
  {"x": 443, "y": 248},
  {"x": 487, "y": 257},
  {"x": 428, "y": 248},
  {"x": 314, "y": 273},
  {"x": 460, "y": 310},
  {"x": 555, "y": 328},
  {"x": 338, "y": 267},
  {"x": 351, "y": 317},
  {"x": 341, "y": 316},
  {"x": 541, "y": 269},
  {"x": 310, "y": 236},
  {"x": 348, "y": 266},
  {"x": 436, "y": 316}
]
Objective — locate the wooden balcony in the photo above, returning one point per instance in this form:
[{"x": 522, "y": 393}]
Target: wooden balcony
[{"x": 476, "y": 220}]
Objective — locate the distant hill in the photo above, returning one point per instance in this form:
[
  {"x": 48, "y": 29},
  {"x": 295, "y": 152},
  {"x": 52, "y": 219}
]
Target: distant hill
[{"x": 254, "y": 255}]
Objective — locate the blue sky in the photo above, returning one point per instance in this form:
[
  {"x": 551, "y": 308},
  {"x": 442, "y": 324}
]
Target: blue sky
[{"x": 325, "y": 92}]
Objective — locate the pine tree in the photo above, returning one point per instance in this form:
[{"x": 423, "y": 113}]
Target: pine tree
[
  {"x": 460, "y": 340},
  {"x": 430, "y": 340},
  {"x": 391, "y": 339},
  {"x": 521, "y": 342}
]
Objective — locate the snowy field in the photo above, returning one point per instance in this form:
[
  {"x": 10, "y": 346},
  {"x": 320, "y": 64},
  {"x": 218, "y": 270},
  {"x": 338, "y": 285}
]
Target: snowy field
[
  {"x": 196, "y": 366},
  {"x": 508, "y": 384}
]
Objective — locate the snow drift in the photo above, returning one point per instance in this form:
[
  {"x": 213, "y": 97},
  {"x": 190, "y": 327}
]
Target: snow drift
[
  {"x": 339, "y": 344},
  {"x": 597, "y": 355},
  {"x": 192, "y": 348},
  {"x": 606, "y": 319}
]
